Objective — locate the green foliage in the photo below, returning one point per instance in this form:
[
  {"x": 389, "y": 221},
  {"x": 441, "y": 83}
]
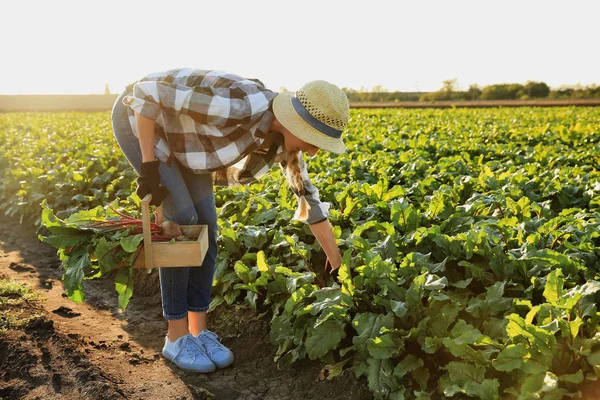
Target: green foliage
[
  {"x": 89, "y": 250},
  {"x": 13, "y": 295},
  {"x": 470, "y": 242},
  {"x": 450, "y": 92}
]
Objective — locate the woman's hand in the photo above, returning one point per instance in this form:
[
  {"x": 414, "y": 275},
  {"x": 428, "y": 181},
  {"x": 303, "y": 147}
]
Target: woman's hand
[
  {"x": 324, "y": 234},
  {"x": 336, "y": 261}
]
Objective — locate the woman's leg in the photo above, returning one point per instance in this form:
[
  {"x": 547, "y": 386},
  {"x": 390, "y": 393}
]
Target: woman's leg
[
  {"x": 201, "y": 279},
  {"x": 200, "y": 283},
  {"x": 178, "y": 207}
]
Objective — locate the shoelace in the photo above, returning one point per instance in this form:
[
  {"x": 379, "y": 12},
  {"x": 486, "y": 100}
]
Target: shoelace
[
  {"x": 213, "y": 340},
  {"x": 193, "y": 351}
]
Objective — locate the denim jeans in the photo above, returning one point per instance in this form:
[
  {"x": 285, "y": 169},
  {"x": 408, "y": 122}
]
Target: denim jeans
[{"x": 191, "y": 201}]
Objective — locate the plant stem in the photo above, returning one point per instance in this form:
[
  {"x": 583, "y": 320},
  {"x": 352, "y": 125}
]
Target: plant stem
[{"x": 321, "y": 283}]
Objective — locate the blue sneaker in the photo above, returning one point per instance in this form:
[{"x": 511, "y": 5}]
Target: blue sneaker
[
  {"x": 220, "y": 355},
  {"x": 188, "y": 354}
]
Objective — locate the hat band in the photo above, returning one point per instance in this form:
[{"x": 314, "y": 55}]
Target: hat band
[{"x": 312, "y": 121}]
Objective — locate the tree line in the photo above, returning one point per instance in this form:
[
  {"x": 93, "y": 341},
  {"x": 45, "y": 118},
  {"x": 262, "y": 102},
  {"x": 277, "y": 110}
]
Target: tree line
[{"x": 504, "y": 91}]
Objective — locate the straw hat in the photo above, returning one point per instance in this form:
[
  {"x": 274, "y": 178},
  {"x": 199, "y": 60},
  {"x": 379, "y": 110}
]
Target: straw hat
[{"x": 317, "y": 114}]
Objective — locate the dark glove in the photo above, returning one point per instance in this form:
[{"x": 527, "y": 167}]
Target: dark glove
[
  {"x": 149, "y": 182},
  {"x": 334, "y": 274}
]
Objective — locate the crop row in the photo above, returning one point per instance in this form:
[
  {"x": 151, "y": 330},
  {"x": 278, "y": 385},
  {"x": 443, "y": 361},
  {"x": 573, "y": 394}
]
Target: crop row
[{"x": 471, "y": 244}]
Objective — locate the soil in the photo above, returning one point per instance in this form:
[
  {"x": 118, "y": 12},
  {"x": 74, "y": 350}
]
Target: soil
[{"x": 93, "y": 350}]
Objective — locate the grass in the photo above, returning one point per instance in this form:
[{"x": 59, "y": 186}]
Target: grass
[{"x": 16, "y": 303}]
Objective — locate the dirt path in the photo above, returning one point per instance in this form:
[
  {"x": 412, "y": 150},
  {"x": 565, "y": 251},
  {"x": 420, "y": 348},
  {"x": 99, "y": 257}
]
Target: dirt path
[{"x": 92, "y": 350}]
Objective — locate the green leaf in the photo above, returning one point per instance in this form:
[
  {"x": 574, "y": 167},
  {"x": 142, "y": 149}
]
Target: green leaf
[
  {"x": 435, "y": 284},
  {"x": 265, "y": 216},
  {"x": 77, "y": 263},
  {"x": 461, "y": 373},
  {"x": 538, "y": 383},
  {"x": 442, "y": 318},
  {"x": 130, "y": 243},
  {"x": 368, "y": 326},
  {"x": 254, "y": 237},
  {"x": 105, "y": 255},
  {"x": 575, "y": 378},
  {"x": 512, "y": 357},
  {"x": 124, "y": 285},
  {"x": 230, "y": 241},
  {"x": 326, "y": 299},
  {"x": 462, "y": 284},
  {"x": 465, "y": 352},
  {"x": 486, "y": 390},
  {"x": 399, "y": 308},
  {"x": 295, "y": 299},
  {"x": 574, "y": 326},
  {"x": 48, "y": 217},
  {"x": 496, "y": 291},
  {"x": 553, "y": 292},
  {"x": 594, "y": 357},
  {"x": 298, "y": 279},
  {"x": 261, "y": 262},
  {"x": 242, "y": 271},
  {"x": 251, "y": 297},
  {"x": 414, "y": 294},
  {"x": 380, "y": 376},
  {"x": 87, "y": 216},
  {"x": 542, "y": 340},
  {"x": 344, "y": 274},
  {"x": 324, "y": 338},
  {"x": 421, "y": 376},
  {"x": 558, "y": 394},
  {"x": 551, "y": 257},
  {"x": 393, "y": 193},
  {"x": 408, "y": 364},
  {"x": 384, "y": 346},
  {"x": 404, "y": 215},
  {"x": 399, "y": 394},
  {"x": 281, "y": 329}
]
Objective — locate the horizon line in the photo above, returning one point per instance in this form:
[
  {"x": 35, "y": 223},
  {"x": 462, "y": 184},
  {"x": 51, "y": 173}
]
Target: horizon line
[{"x": 361, "y": 90}]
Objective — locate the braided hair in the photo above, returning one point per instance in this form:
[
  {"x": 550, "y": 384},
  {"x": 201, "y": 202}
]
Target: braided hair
[{"x": 294, "y": 178}]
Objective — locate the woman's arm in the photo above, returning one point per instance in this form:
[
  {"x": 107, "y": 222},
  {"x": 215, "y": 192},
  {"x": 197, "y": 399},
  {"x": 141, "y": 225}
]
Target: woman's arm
[
  {"x": 145, "y": 129},
  {"x": 324, "y": 234}
]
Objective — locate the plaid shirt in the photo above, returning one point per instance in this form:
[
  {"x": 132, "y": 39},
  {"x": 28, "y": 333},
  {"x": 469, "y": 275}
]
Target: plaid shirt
[{"x": 217, "y": 122}]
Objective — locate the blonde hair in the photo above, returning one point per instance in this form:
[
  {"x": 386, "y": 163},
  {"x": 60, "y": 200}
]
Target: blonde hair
[{"x": 294, "y": 178}]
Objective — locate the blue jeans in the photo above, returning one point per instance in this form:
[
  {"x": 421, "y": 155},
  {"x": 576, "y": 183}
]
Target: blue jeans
[{"x": 191, "y": 201}]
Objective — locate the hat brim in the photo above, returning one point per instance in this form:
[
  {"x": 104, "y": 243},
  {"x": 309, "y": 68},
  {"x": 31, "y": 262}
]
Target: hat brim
[{"x": 289, "y": 118}]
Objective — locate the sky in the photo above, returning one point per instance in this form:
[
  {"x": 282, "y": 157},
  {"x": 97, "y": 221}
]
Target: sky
[{"x": 76, "y": 47}]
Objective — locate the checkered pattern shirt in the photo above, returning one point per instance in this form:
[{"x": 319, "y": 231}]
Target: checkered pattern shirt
[{"x": 215, "y": 122}]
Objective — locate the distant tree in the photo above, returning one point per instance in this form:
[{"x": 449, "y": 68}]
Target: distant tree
[
  {"x": 505, "y": 91},
  {"x": 450, "y": 86},
  {"x": 562, "y": 93},
  {"x": 474, "y": 92},
  {"x": 536, "y": 89},
  {"x": 576, "y": 92},
  {"x": 379, "y": 89},
  {"x": 106, "y": 89},
  {"x": 449, "y": 91}
]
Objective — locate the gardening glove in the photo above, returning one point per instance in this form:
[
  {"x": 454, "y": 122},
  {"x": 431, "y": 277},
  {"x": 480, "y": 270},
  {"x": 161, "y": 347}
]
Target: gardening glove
[
  {"x": 334, "y": 274},
  {"x": 149, "y": 182}
]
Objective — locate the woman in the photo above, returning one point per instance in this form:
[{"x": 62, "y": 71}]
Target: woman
[{"x": 184, "y": 130}]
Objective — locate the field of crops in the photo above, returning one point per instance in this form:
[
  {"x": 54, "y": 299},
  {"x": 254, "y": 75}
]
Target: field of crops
[{"x": 471, "y": 244}]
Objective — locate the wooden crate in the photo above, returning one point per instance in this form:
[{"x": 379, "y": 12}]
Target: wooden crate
[{"x": 164, "y": 254}]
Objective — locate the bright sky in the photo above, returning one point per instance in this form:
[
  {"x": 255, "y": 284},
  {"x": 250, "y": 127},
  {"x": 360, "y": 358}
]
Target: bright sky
[{"x": 64, "y": 46}]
